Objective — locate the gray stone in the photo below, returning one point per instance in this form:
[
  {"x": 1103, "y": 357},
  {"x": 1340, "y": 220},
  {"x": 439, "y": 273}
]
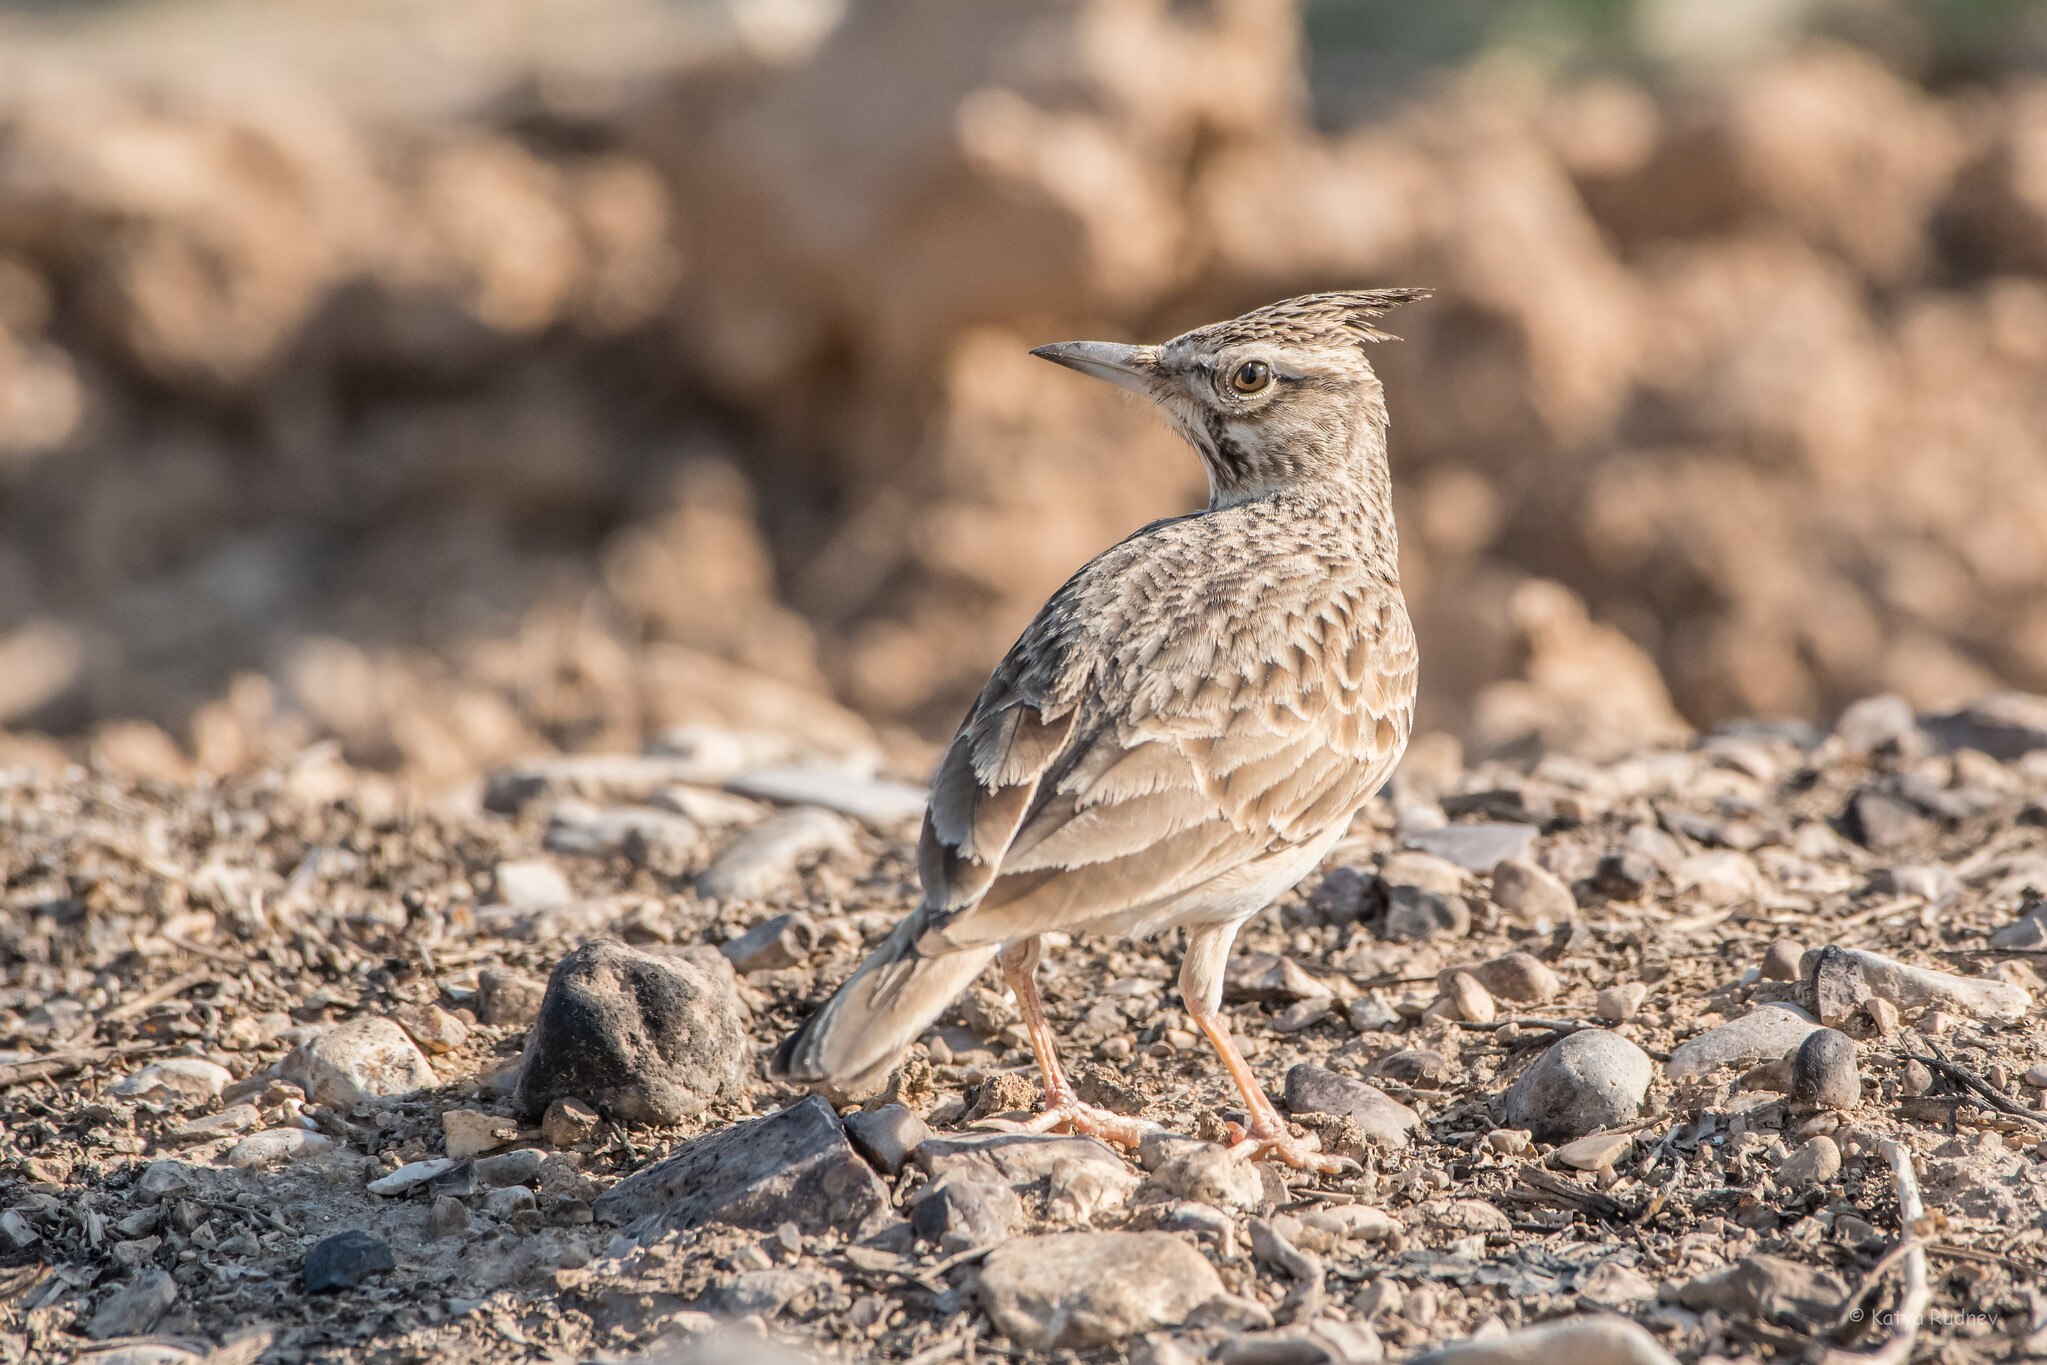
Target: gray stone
[
  {"x": 134, "y": 1308},
  {"x": 1823, "y": 1074},
  {"x": 1764, "y": 1034},
  {"x": 507, "y": 998},
  {"x": 1815, "y": 1163},
  {"x": 782, "y": 941},
  {"x": 1876, "y": 724},
  {"x": 1589, "y": 1080},
  {"x": 1210, "y": 1174},
  {"x": 1080, "y": 1289},
  {"x": 2028, "y": 933},
  {"x": 644, "y": 1039},
  {"x": 276, "y": 1144},
  {"x": 1531, "y": 894},
  {"x": 1839, "y": 980},
  {"x": 597, "y": 777},
  {"x": 1079, "y": 1177},
  {"x": 345, "y": 1260},
  {"x": 362, "y": 1060},
  {"x": 1312, "y": 1089},
  {"x": 411, "y": 1174},
  {"x": 2005, "y": 725},
  {"x": 1882, "y": 822},
  {"x": 634, "y": 831},
  {"x": 1477, "y": 847},
  {"x": 768, "y": 858},
  {"x": 1767, "y": 1287},
  {"x": 1413, "y": 914},
  {"x": 177, "y": 1080},
  {"x": 531, "y": 884},
  {"x": 887, "y": 1136},
  {"x": 878, "y": 802},
  {"x": 520, "y": 1167},
  {"x": 966, "y": 1208},
  {"x": 795, "y": 1166}
]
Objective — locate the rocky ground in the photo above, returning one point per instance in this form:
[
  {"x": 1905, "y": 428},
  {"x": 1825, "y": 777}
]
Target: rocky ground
[{"x": 286, "y": 1077}]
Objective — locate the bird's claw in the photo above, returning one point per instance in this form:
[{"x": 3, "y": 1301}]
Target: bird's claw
[
  {"x": 1086, "y": 1119},
  {"x": 1261, "y": 1143}
]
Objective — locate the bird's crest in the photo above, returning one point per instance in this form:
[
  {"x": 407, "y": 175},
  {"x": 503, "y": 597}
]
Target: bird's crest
[{"x": 1313, "y": 317}]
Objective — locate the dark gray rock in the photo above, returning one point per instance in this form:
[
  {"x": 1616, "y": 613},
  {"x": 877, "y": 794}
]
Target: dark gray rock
[
  {"x": 518, "y": 1167},
  {"x": 643, "y": 1039},
  {"x": 2005, "y": 725},
  {"x": 795, "y": 1166},
  {"x": 1312, "y": 1089},
  {"x": 1413, "y": 914},
  {"x": 1625, "y": 874},
  {"x": 1589, "y": 1080},
  {"x": 134, "y": 1308},
  {"x": 345, "y": 1260},
  {"x": 1767, "y": 1287},
  {"x": 1823, "y": 1073},
  {"x": 1478, "y": 847},
  {"x": 886, "y": 1136},
  {"x": 507, "y": 998}
]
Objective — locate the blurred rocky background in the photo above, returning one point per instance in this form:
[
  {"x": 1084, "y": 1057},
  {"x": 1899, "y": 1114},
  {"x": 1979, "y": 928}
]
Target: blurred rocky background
[{"x": 445, "y": 382}]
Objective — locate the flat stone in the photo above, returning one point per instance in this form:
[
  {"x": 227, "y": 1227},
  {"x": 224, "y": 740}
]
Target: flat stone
[
  {"x": 769, "y": 858},
  {"x": 1596, "y": 1152},
  {"x": 1876, "y": 724},
  {"x": 1618, "y": 1004},
  {"x": 1762, "y": 1035},
  {"x": 1080, "y": 1178},
  {"x": 875, "y": 801},
  {"x": 1082, "y": 1289},
  {"x": 181, "y": 1080},
  {"x": 1424, "y": 872},
  {"x": 236, "y": 1118},
  {"x": 644, "y": 1039},
  {"x": 966, "y": 1208},
  {"x": 345, "y": 1260},
  {"x": 433, "y": 1028},
  {"x": 1823, "y": 1073},
  {"x": 519, "y": 1167},
  {"x": 134, "y": 1307},
  {"x": 1312, "y": 1089},
  {"x": 2028, "y": 933},
  {"x": 362, "y": 1060},
  {"x": 887, "y": 1135},
  {"x": 1764, "y": 1287},
  {"x": 1601, "y": 1339},
  {"x": 1522, "y": 978},
  {"x": 1413, "y": 915},
  {"x": 1209, "y": 1174},
  {"x": 411, "y": 1174},
  {"x": 470, "y": 1133},
  {"x": 795, "y": 1166},
  {"x": 531, "y": 884},
  {"x": 1586, "y": 1081},
  {"x": 575, "y": 827},
  {"x": 1477, "y": 847},
  {"x": 277, "y": 1144},
  {"x": 601, "y": 777},
  {"x": 2005, "y": 725},
  {"x": 1839, "y": 980}
]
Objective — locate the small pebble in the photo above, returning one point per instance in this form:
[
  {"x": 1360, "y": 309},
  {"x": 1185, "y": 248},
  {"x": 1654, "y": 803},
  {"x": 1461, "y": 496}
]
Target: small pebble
[
  {"x": 468, "y": 1133},
  {"x": 1618, "y": 1004},
  {"x": 449, "y": 1216},
  {"x": 1530, "y": 894},
  {"x": 1596, "y": 1152},
  {"x": 1471, "y": 1000},
  {"x": 1814, "y": 1163},
  {"x": 277, "y": 1144},
  {"x": 1781, "y": 960},
  {"x": 410, "y": 1174},
  {"x": 1588, "y": 1080},
  {"x": 1510, "y": 1141},
  {"x": 568, "y": 1122}
]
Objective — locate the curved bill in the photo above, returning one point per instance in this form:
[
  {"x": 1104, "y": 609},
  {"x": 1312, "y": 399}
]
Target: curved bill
[{"x": 1127, "y": 367}]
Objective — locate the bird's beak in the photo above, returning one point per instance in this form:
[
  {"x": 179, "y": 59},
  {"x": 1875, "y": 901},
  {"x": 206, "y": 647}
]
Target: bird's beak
[{"x": 1127, "y": 367}]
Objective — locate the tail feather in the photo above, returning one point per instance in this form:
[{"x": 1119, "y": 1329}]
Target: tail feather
[{"x": 856, "y": 1037}]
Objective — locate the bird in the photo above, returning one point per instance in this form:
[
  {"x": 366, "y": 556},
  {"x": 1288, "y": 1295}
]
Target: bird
[{"x": 1185, "y": 728}]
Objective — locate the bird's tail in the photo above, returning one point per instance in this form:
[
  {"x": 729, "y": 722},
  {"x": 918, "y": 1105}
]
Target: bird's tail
[{"x": 856, "y": 1037}]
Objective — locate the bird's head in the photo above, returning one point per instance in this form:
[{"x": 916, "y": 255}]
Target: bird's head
[{"x": 1276, "y": 397}]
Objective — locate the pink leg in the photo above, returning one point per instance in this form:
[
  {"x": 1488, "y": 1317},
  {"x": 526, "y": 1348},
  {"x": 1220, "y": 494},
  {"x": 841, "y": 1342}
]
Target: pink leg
[{"x": 1064, "y": 1113}]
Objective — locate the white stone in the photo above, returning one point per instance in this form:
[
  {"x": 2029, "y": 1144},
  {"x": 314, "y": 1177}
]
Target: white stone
[
  {"x": 411, "y": 1174},
  {"x": 277, "y": 1144},
  {"x": 1763, "y": 1034},
  {"x": 361, "y": 1060},
  {"x": 188, "y": 1079}
]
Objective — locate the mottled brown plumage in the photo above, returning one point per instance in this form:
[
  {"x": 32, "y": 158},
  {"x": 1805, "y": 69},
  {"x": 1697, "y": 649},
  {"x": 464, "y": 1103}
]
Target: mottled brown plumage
[{"x": 1188, "y": 724}]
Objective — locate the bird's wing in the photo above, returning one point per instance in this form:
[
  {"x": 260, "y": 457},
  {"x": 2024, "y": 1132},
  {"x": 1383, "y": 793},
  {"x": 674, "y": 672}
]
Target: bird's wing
[{"x": 1071, "y": 795}]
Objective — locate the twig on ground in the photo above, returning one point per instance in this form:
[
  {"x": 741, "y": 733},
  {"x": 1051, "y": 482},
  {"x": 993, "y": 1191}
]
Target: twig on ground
[
  {"x": 1912, "y": 1250},
  {"x": 1976, "y": 1087}
]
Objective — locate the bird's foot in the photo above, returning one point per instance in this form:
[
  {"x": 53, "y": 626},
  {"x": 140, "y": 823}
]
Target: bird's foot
[
  {"x": 1272, "y": 1142},
  {"x": 1071, "y": 1116}
]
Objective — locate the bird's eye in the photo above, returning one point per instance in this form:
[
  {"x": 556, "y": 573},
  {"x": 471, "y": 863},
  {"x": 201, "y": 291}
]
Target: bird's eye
[{"x": 1251, "y": 376}]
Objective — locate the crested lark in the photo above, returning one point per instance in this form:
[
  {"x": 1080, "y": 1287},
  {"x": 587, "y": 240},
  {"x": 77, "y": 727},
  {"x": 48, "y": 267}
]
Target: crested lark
[{"x": 1188, "y": 725}]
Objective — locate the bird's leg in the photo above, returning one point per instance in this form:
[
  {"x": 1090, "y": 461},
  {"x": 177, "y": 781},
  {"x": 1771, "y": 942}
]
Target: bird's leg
[
  {"x": 1201, "y": 987},
  {"x": 1063, "y": 1110}
]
